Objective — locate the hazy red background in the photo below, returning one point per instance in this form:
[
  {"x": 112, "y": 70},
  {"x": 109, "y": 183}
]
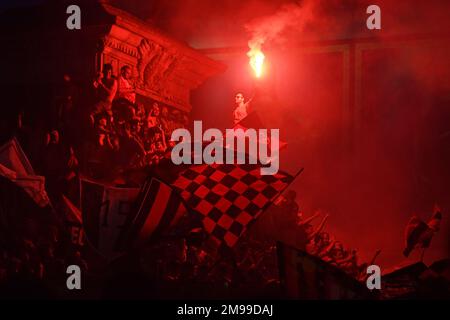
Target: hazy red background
[
  {"x": 370, "y": 180},
  {"x": 397, "y": 165}
]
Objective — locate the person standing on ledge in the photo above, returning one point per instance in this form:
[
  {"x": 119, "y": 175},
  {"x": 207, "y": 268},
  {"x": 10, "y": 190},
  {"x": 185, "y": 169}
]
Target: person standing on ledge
[{"x": 241, "y": 108}]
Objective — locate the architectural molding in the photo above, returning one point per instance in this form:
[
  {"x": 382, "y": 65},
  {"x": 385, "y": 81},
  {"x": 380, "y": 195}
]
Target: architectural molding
[{"x": 163, "y": 69}]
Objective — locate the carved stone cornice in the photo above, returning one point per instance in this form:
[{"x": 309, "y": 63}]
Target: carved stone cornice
[
  {"x": 118, "y": 45},
  {"x": 164, "y": 69}
]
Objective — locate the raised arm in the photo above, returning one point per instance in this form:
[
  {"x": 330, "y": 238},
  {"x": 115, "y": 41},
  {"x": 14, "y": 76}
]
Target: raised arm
[
  {"x": 319, "y": 229},
  {"x": 349, "y": 258},
  {"x": 325, "y": 251},
  {"x": 163, "y": 137}
]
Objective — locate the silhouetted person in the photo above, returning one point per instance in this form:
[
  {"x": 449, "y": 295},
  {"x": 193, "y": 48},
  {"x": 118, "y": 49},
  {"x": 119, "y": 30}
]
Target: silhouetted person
[
  {"x": 419, "y": 233},
  {"x": 241, "y": 108},
  {"x": 106, "y": 88}
]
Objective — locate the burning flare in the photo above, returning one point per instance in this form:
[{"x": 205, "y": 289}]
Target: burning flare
[{"x": 256, "y": 58}]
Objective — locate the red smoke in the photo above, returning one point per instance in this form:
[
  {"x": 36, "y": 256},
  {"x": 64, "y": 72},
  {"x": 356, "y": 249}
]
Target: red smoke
[{"x": 372, "y": 178}]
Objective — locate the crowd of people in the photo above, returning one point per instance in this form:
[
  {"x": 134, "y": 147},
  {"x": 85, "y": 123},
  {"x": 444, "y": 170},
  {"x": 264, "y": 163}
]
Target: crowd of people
[
  {"x": 285, "y": 222},
  {"x": 116, "y": 134},
  {"x": 100, "y": 130},
  {"x": 35, "y": 250},
  {"x": 119, "y": 123},
  {"x": 120, "y": 132},
  {"x": 251, "y": 269},
  {"x": 248, "y": 270}
]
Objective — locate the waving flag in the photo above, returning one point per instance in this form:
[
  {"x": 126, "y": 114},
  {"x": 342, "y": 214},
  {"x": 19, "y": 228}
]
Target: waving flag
[
  {"x": 15, "y": 166},
  {"x": 229, "y": 197},
  {"x": 73, "y": 220},
  {"x": 13, "y": 157},
  {"x": 159, "y": 208}
]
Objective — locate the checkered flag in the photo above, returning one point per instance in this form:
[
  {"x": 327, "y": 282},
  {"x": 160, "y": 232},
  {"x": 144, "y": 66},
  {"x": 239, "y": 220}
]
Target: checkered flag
[{"x": 229, "y": 197}]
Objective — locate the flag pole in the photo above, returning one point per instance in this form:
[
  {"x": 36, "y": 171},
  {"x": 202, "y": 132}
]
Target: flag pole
[{"x": 298, "y": 173}]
